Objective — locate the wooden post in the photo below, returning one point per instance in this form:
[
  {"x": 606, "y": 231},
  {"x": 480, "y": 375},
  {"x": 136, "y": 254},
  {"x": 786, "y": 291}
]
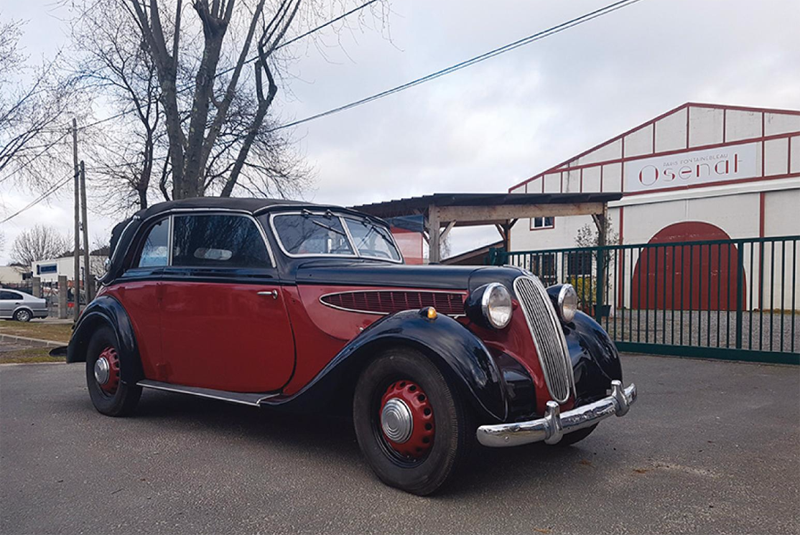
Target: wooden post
[
  {"x": 432, "y": 222},
  {"x": 63, "y": 289},
  {"x": 76, "y": 252},
  {"x": 87, "y": 272}
]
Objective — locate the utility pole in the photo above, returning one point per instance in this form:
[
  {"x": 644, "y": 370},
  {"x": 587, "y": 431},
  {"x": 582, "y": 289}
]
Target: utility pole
[
  {"x": 87, "y": 274},
  {"x": 76, "y": 286}
]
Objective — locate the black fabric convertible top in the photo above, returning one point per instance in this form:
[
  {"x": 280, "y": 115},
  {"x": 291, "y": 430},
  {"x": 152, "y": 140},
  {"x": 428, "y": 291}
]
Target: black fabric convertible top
[{"x": 123, "y": 233}]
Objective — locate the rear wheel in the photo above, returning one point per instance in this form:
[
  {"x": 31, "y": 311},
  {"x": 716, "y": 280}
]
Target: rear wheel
[
  {"x": 23, "y": 315},
  {"x": 109, "y": 395},
  {"x": 412, "y": 425}
]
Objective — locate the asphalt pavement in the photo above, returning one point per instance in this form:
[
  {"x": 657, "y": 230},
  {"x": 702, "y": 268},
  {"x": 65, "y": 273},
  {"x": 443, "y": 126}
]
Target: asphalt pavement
[{"x": 709, "y": 447}]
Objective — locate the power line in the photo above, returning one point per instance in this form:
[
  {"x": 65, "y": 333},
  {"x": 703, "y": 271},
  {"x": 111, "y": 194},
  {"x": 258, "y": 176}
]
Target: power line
[
  {"x": 28, "y": 162},
  {"x": 467, "y": 63},
  {"x": 57, "y": 186},
  {"x": 223, "y": 72}
]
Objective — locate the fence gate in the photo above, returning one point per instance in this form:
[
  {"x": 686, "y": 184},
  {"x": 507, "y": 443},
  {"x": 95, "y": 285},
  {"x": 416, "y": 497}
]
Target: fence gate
[{"x": 729, "y": 299}]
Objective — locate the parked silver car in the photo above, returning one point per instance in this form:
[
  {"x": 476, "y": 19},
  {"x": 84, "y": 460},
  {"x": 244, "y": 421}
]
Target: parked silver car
[{"x": 21, "y": 306}]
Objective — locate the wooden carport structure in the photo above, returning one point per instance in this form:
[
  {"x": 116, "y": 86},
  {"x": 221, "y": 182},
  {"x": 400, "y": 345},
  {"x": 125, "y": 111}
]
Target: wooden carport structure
[{"x": 444, "y": 211}]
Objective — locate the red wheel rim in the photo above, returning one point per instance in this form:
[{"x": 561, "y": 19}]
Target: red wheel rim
[
  {"x": 411, "y": 441},
  {"x": 106, "y": 370}
]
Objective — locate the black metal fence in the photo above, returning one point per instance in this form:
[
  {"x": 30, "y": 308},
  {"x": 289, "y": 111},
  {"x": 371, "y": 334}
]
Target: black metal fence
[{"x": 732, "y": 299}]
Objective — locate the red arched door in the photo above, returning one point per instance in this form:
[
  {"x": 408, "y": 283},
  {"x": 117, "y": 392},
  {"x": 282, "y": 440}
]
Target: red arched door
[{"x": 686, "y": 276}]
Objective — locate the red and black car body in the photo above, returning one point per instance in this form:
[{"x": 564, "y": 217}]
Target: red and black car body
[{"x": 297, "y": 313}]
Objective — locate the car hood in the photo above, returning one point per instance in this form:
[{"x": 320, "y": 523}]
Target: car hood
[{"x": 383, "y": 274}]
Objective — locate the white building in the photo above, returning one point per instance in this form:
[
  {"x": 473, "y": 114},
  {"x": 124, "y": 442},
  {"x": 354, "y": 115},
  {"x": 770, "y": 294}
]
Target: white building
[
  {"x": 697, "y": 172},
  {"x": 49, "y": 270}
]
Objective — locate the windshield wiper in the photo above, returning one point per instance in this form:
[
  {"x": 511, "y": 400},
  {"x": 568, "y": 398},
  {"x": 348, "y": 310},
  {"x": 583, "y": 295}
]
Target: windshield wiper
[{"x": 323, "y": 225}]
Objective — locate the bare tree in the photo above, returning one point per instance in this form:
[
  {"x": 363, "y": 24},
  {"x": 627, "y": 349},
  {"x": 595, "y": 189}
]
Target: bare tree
[
  {"x": 39, "y": 243},
  {"x": 34, "y": 103},
  {"x": 217, "y": 66}
]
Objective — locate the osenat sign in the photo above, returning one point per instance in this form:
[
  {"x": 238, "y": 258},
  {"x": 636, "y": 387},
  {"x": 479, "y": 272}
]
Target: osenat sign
[{"x": 734, "y": 162}]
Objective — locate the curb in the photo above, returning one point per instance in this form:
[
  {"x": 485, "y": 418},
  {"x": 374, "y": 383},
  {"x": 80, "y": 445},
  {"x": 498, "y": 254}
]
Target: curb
[{"x": 36, "y": 342}]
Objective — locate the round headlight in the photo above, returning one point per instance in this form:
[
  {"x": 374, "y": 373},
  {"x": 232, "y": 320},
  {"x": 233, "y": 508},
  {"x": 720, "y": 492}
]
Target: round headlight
[
  {"x": 496, "y": 305},
  {"x": 567, "y": 302}
]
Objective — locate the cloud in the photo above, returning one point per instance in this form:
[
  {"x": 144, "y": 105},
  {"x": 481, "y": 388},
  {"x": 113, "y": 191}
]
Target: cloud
[{"x": 490, "y": 126}]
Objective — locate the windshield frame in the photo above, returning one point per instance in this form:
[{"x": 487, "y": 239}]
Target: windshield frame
[{"x": 342, "y": 220}]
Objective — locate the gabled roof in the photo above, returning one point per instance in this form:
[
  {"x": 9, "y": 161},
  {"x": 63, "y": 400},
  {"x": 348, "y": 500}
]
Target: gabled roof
[{"x": 687, "y": 105}]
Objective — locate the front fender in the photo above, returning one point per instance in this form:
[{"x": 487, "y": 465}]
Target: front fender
[
  {"x": 461, "y": 356},
  {"x": 106, "y": 310},
  {"x": 595, "y": 360}
]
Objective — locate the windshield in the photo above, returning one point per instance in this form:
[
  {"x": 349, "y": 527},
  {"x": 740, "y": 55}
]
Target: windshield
[
  {"x": 324, "y": 234},
  {"x": 372, "y": 240}
]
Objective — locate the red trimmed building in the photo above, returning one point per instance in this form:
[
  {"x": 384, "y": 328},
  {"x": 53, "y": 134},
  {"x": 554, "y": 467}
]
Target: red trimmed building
[{"x": 697, "y": 172}]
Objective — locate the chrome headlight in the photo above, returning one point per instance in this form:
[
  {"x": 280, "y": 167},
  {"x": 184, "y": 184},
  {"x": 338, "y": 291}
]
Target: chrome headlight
[
  {"x": 567, "y": 302},
  {"x": 496, "y": 305}
]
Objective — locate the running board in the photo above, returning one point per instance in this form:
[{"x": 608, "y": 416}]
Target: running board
[{"x": 252, "y": 399}]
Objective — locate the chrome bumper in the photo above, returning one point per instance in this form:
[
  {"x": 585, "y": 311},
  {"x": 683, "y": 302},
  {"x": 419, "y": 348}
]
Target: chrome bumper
[{"x": 554, "y": 424}]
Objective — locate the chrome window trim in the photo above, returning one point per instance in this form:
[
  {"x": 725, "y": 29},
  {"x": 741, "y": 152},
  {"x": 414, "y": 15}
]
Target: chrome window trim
[
  {"x": 345, "y": 309},
  {"x": 355, "y": 248},
  {"x": 338, "y": 216}
]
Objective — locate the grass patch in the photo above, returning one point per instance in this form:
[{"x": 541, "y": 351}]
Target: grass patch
[
  {"x": 56, "y": 332},
  {"x": 27, "y": 356}
]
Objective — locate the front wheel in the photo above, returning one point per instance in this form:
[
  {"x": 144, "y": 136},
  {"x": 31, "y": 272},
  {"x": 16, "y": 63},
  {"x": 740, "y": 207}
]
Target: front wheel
[
  {"x": 109, "y": 394},
  {"x": 23, "y": 315},
  {"x": 413, "y": 426}
]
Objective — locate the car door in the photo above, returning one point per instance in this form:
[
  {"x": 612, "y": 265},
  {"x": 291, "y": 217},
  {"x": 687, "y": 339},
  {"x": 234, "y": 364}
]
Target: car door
[
  {"x": 8, "y": 303},
  {"x": 137, "y": 290},
  {"x": 224, "y": 323}
]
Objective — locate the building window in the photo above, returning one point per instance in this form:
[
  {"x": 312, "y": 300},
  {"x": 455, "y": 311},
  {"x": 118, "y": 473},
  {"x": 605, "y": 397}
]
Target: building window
[
  {"x": 579, "y": 263},
  {"x": 544, "y": 267},
  {"x": 543, "y": 222},
  {"x": 46, "y": 268}
]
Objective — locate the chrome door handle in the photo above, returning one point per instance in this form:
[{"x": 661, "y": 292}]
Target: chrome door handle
[{"x": 273, "y": 293}]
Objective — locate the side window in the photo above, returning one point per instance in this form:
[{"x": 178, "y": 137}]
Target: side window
[
  {"x": 155, "y": 251},
  {"x": 10, "y": 296},
  {"x": 218, "y": 241}
]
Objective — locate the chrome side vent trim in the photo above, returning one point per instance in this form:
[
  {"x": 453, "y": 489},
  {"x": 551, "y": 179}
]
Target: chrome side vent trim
[{"x": 548, "y": 336}]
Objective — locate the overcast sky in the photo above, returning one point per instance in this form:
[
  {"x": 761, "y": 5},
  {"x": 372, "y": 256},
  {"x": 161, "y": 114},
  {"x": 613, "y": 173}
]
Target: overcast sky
[{"x": 485, "y": 128}]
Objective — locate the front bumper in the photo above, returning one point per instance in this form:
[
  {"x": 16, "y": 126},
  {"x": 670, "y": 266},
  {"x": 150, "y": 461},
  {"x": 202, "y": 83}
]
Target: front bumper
[{"x": 553, "y": 425}]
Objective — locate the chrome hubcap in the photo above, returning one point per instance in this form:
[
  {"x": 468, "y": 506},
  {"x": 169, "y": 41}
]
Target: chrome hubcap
[
  {"x": 396, "y": 421},
  {"x": 102, "y": 371}
]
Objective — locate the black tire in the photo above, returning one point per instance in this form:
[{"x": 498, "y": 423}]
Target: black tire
[
  {"x": 124, "y": 400},
  {"x": 23, "y": 315},
  {"x": 576, "y": 436},
  {"x": 454, "y": 429}
]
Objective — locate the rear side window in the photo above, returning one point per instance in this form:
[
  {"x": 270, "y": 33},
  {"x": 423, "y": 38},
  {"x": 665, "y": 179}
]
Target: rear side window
[
  {"x": 218, "y": 241},
  {"x": 155, "y": 251},
  {"x": 10, "y": 296}
]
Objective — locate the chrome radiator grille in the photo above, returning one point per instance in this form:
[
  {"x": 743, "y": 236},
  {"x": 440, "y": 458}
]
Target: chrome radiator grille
[{"x": 547, "y": 336}]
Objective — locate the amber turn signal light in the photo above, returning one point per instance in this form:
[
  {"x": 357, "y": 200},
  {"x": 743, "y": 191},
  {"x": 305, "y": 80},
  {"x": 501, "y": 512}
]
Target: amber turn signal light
[{"x": 429, "y": 312}]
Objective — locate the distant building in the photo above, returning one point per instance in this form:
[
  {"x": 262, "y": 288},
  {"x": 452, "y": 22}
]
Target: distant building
[
  {"x": 11, "y": 274},
  {"x": 700, "y": 171},
  {"x": 49, "y": 270}
]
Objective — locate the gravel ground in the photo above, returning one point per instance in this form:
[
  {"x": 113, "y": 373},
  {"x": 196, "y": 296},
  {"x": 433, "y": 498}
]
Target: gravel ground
[{"x": 709, "y": 447}]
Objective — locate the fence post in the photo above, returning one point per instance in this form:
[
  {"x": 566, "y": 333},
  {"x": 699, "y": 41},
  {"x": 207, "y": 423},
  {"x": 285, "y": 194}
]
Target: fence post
[
  {"x": 598, "y": 309},
  {"x": 739, "y": 295},
  {"x": 62, "y": 297},
  {"x": 36, "y": 283}
]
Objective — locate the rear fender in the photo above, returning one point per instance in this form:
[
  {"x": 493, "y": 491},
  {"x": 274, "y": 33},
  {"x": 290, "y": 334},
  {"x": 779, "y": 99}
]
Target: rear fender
[
  {"x": 106, "y": 310},
  {"x": 461, "y": 356}
]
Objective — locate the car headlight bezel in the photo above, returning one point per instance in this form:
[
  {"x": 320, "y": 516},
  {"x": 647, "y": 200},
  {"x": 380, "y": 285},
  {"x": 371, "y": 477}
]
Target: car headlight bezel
[
  {"x": 567, "y": 303},
  {"x": 496, "y": 305}
]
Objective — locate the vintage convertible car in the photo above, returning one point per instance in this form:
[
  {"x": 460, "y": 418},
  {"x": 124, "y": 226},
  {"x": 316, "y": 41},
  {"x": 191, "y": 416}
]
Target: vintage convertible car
[{"x": 295, "y": 305}]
